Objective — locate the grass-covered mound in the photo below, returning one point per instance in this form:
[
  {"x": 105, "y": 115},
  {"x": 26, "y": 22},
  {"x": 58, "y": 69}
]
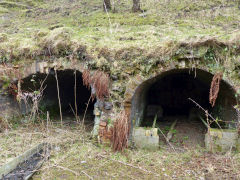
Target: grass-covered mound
[{"x": 30, "y": 29}]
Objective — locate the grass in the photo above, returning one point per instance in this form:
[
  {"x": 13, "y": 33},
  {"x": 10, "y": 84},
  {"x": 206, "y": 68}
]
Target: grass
[
  {"x": 161, "y": 22},
  {"x": 76, "y": 156},
  {"x": 29, "y": 27}
]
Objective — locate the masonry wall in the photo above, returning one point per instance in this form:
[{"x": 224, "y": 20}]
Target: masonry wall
[{"x": 8, "y": 106}]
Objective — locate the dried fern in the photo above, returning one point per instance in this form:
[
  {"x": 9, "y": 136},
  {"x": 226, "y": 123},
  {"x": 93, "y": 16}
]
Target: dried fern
[
  {"x": 215, "y": 84},
  {"x": 86, "y": 78},
  {"x": 99, "y": 81},
  {"x": 120, "y": 132}
]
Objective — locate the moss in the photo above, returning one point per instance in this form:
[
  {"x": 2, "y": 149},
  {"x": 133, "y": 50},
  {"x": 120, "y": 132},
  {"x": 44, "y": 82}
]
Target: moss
[
  {"x": 222, "y": 130},
  {"x": 3, "y": 10},
  {"x": 7, "y": 4},
  {"x": 137, "y": 43}
]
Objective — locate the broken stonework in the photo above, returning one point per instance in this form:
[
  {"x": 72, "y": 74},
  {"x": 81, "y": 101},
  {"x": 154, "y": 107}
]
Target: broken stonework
[{"x": 105, "y": 133}]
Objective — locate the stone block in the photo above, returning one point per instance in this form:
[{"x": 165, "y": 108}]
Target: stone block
[
  {"x": 146, "y": 138},
  {"x": 222, "y": 140}
]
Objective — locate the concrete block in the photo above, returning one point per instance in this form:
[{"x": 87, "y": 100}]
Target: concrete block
[
  {"x": 222, "y": 140},
  {"x": 146, "y": 138}
]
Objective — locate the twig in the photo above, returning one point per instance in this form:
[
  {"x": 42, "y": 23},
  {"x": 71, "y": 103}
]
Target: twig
[
  {"x": 67, "y": 169},
  {"x": 86, "y": 109},
  {"x": 206, "y": 112},
  {"x": 74, "y": 113},
  {"x": 48, "y": 118},
  {"x": 87, "y": 175},
  {"x": 74, "y": 172},
  {"x": 110, "y": 23},
  {"x": 72, "y": 109},
  {"x": 41, "y": 87},
  {"x": 75, "y": 95},
  {"x": 59, "y": 100},
  {"x": 167, "y": 139}
]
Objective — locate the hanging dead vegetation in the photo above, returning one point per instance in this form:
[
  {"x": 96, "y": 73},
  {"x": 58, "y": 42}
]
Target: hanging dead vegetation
[
  {"x": 121, "y": 130},
  {"x": 99, "y": 81},
  {"x": 86, "y": 78},
  {"x": 215, "y": 84}
]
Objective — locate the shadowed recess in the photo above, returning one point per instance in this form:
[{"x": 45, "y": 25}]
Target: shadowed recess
[
  {"x": 66, "y": 80},
  {"x": 166, "y": 95}
]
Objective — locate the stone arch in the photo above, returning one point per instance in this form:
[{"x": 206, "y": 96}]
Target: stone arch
[
  {"x": 10, "y": 107},
  {"x": 138, "y": 87},
  {"x": 39, "y": 71},
  {"x": 66, "y": 85}
]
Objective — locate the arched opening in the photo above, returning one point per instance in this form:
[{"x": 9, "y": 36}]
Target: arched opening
[
  {"x": 50, "y": 101},
  {"x": 165, "y": 99}
]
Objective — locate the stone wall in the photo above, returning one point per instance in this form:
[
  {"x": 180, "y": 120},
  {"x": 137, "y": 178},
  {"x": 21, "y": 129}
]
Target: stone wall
[
  {"x": 8, "y": 106},
  {"x": 130, "y": 92}
]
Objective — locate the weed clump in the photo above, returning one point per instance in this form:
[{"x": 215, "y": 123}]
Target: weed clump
[
  {"x": 80, "y": 52},
  {"x": 57, "y": 42},
  {"x": 121, "y": 130}
]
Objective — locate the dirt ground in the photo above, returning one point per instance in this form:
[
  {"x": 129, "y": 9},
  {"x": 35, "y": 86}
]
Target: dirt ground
[
  {"x": 186, "y": 133},
  {"x": 70, "y": 120},
  {"x": 77, "y": 156}
]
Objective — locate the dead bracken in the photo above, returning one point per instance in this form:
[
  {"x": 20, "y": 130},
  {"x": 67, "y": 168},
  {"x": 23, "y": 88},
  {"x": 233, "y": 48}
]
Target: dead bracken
[{"x": 215, "y": 85}]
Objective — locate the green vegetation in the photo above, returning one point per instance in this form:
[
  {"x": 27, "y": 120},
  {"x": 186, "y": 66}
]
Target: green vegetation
[
  {"x": 75, "y": 156},
  {"x": 115, "y": 42},
  {"x": 85, "y": 22},
  {"x": 201, "y": 34}
]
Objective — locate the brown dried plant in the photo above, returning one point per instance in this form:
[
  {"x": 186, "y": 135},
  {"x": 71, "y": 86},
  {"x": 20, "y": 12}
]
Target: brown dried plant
[
  {"x": 215, "y": 84},
  {"x": 120, "y": 132},
  {"x": 86, "y": 76},
  {"x": 99, "y": 81},
  {"x": 13, "y": 90}
]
